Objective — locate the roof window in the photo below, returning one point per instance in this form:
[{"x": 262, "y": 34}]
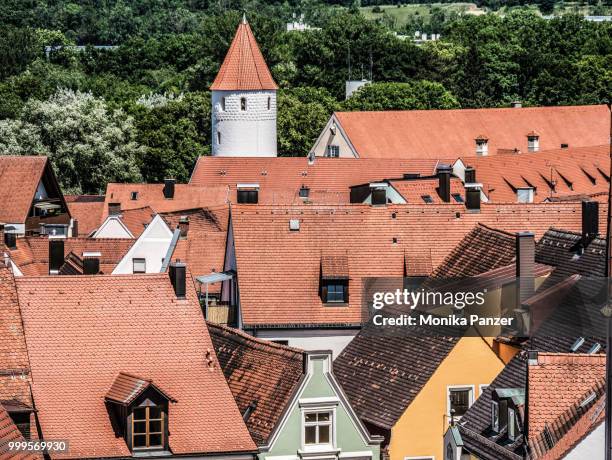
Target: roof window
[
  {"x": 134, "y": 196},
  {"x": 427, "y": 199},
  {"x": 457, "y": 197}
]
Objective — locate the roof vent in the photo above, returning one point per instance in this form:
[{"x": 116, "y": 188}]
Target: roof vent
[
  {"x": 577, "y": 344},
  {"x": 294, "y": 225},
  {"x": 516, "y": 104},
  {"x": 594, "y": 349},
  {"x": 532, "y": 357}
]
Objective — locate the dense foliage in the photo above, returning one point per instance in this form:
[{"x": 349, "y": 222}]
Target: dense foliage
[{"x": 150, "y": 91}]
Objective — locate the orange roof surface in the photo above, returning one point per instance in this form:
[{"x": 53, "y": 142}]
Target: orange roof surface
[
  {"x": 32, "y": 253},
  {"x": 453, "y": 133},
  {"x": 10, "y": 433},
  {"x": 82, "y": 331},
  {"x": 559, "y": 381},
  {"x": 136, "y": 220},
  {"x": 87, "y": 209},
  {"x": 204, "y": 247},
  {"x": 14, "y": 365},
  {"x": 280, "y": 179},
  {"x": 413, "y": 190},
  {"x": 575, "y": 171},
  {"x": 152, "y": 195},
  {"x": 244, "y": 67},
  {"x": 279, "y": 269},
  {"x": 19, "y": 178}
]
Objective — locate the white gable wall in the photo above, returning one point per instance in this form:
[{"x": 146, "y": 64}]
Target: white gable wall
[{"x": 112, "y": 227}]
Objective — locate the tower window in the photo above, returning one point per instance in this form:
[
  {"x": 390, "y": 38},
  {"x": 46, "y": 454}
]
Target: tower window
[
  {"x": 219, "y": 137},
  {"x": 269, "y": 102},
  {"x": 243, "y": 104},
  {"x": 223, "y": 103}
]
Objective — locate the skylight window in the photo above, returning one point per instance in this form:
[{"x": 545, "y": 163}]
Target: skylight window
[
  {"x": 577, "y": 344},
  {"x": 457, "y": 197},
  {"x": 427, "y": 199},
  {"x": 594, "y": 349}
]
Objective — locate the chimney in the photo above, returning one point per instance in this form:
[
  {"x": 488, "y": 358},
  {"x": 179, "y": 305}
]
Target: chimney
[
  {"x": 169, "y": 188},
  {"x": 10, "y": 240},
  {"x": 183, "y": 226},
  {"x": 177, "y": 272},
  {"x": 75, "y": 228},
  {"x": 590, "y": 221},
  {"x": 525, "y": 265},
  {"x": 472, "y": 199},
  {"x": 444, "y": 175},
  {"x": 91, "y": 263},
  {"x": 516, "y": 104},
  {"x": 470, "y": 175},
  {"x": 56, "y": 254},
  {"x": 114, "y": 209}
]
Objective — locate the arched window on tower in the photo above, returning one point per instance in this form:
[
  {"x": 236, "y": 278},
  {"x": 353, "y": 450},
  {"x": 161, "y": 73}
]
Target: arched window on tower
[
  {"x": 223, "y": 103},
  {"x": 243, "y": 104},
  {"x": 219, "y": 137},
  {"x": 269, "y": 102}
]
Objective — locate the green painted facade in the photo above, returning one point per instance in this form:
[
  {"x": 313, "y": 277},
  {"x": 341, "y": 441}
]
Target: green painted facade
[{"x": 348, "y": 436}]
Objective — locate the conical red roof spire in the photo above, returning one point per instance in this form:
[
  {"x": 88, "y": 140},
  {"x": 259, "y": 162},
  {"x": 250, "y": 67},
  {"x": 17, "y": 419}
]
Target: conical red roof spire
[{"x": 244, "y": 67}]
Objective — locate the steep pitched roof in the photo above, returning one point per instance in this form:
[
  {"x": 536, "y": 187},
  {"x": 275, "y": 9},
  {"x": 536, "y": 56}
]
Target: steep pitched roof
[
  {"x": 10, "y": 433},
  {"x": 554, "y": 174},
  {"x": 82, "y": 331},
  {"x": 32, "y": 253},
  {"x": 280, "y": 179},
  {"x": 452, "y": 133},
  {"x": 87, "y": 209},
  {"x": 244, "y": 67},
  {"x": 152, "y": 195},
  {"x": 19, "y": 178},
  {"x": 377, "y": 241},
  {"x": 262, "y": 375},
  {"x": 136, "y": 220},
  {"x": 14, "y": 364},
  {"x": 413, "y": 190}
]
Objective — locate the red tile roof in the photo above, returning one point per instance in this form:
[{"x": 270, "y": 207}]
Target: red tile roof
[
  {"x": 87, "y": 209},
  {"x": 244, "y": 67},
  {"x": 204, "y": 248},
  {"x": 14, "y": 364},
  {"x": 19, "y": 178},
  {"x": 136, "y": 220},
  {"x": 82, "y": 331},
  {"x": 280, "y": 179},
  {"x": 32, "y": 253},
  {"x": 152, "y": 195},
  {"x": 559, "y": 381},
  {"x": 10, "y": 433},
  {"x": 376, "y": 241},
  {"x": 126, "y": 388},
  {"x": 452, "y": 133},
  {"x": 575, "y": 171},
  {"x": 259, "y": 373},
  {"x": 413, "y": 190}
]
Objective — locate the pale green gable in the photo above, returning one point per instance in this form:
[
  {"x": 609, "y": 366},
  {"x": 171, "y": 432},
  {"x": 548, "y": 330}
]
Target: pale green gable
[{"x": 320, "y": 392}]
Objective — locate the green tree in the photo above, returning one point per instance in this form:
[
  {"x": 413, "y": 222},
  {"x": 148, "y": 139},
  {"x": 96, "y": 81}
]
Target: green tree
[
  {"x": 88, "y": 144},
  {"x": 401, "y": 96}
]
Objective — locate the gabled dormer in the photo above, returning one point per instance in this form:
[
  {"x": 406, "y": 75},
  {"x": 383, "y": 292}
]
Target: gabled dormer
[
  {"x": 507, "y": 408},
  {"x": 139, "y": 412}
]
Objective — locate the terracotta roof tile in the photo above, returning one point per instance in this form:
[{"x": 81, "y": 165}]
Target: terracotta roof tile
[
  {"x": 414, "y": 190},
  {"x": 280, "y": 179},
  {"x": 19, "y": 177},
  {"x": 262, "y": 375},
  {"x": 126, "y": 388},
  {"x": 501, "y": 175},
  {"x": 244, "y": 67},
  {"x": 82, "y": 331},
  {"x": 452, "y": 133},
  {"x": 136, "y": 220},
  {"x": 87, "y": 209},
  {"x": 376, "y": 240},
  {"x": 10, "y": 433}
]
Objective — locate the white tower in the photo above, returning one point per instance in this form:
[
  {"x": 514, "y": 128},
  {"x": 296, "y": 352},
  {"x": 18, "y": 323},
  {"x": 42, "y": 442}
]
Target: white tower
[{"x": 244, "y": 101}]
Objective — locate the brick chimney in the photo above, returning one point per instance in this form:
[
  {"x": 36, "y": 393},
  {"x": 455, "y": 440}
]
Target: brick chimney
[
  {"x": 169, "y": 188},
  {"x": 472, "y": 199},
  {"x": 444, "y": 175},
  {"x": 91, "y": 263},
  {"x": 178, "y": 274},
  {"x": 56, "y": 254},
  {"x": 470, "y": 175},
  {"x": 183, "y": 226}
]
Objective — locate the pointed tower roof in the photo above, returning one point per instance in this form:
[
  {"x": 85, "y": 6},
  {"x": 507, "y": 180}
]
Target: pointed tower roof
[{"x": 244, "y": 67}]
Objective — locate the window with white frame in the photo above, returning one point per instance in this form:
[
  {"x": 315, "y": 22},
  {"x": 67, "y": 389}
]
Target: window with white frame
[
  {"x": 524, "y": 195},
  {"x": 511, "y": 424},
  {"x": 482, "y": 146},
  {"x": 243, "y": 104},
  {"x": 139, "y": 265},
  {"x": 533, "y": 143},
  {"x": 495, "y": 416},
  {"x": 460, "y": 399},
  {"x": 318, "y": 428},
  {"x": 333, "y": 151}
]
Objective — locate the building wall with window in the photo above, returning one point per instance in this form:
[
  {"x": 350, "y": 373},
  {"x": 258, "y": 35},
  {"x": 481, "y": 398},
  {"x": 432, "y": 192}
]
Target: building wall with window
[
  {"x": 331, "y": 140},
  {"x": 112, "y": 227},
  {"x": 244, "y": 123},
  {"x": 420, "y": 431},
  {"x": 320, "y": 421}
]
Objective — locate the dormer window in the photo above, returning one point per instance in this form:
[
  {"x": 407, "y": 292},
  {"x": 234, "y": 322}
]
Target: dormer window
[
  {"x": 495, "y": 416},
  {"x": 378, "y": 194},
  {"x": 243, "y": 104},
  {"x": 533, "y": 142},
  {"x": 482, "y": 146},
  {"x": 134, "y": 196},
  {"x": 139, "y": 412},
  {"x": 248, "y": 194},
  {"x": 524, "y": 195},
  {"x": 333, "y": 151},
  {"x": 304, "y": 192},
  {"x": 334, "y": 279}
]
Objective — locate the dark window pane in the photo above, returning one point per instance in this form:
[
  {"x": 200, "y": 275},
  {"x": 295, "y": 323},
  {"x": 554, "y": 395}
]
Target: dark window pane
[
  {"x": 155, "y": 426},
  {"x": 140, "y": 413},
  {"x": 155, "y": 412},
  {"x": 311, "y": 417},
  {"x": 140, "y": 441},
  {"x": 310, "y": 436},
  {"x": 324, "y": 434},
  {"x": 324, "y": 417},
  {"x": 155, "y": 440},
  {"x": 379, "y": 196},
  {"x": 460, "y": 401}
]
